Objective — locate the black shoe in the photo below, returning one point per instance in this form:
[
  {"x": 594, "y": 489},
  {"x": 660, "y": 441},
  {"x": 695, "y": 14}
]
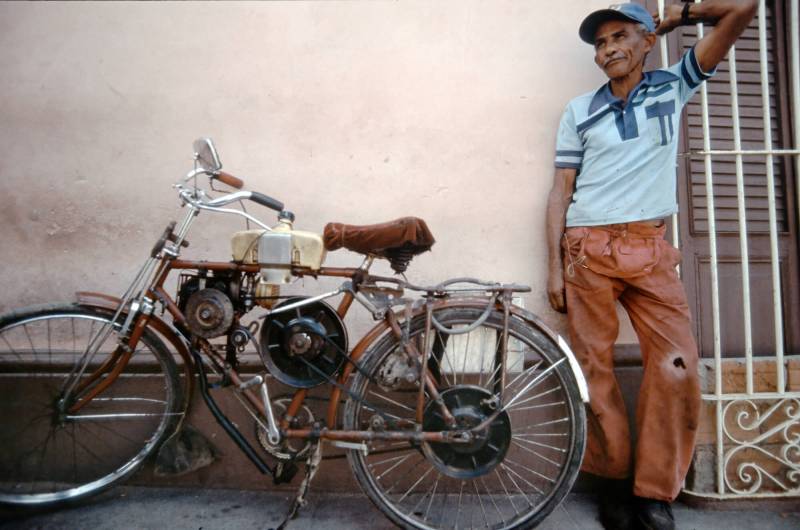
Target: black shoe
[
  {"x": 615, "y": 505},
  {"x": 654, "y": 515}
]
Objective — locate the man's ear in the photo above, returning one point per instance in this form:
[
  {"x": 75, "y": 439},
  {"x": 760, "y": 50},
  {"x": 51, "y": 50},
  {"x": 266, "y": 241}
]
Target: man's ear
[{"x": 650, "y": 41}]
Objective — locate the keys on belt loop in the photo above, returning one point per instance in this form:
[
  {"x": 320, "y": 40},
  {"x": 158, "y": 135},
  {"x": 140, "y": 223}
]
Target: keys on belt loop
[{"x": 572, "y": 262}]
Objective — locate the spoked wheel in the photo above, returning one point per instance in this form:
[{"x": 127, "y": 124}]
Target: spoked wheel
[
  {"x": 50, "y": 455},
  {"x": 514, "y": 471}
]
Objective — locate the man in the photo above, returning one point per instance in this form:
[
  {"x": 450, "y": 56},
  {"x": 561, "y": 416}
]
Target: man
[{"x": 614, "y": 185}]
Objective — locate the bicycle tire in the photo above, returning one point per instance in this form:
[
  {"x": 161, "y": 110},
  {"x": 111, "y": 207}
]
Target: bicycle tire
[
  {"x": 425, "y": 504},
  {"x": 50, "y": 458}
]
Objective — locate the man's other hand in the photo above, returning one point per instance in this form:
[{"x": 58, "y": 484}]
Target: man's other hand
[
  {"x": 671, "y": 20},
  {"x": 555, "y": 291},
  {"x": 730, "y": 18}
]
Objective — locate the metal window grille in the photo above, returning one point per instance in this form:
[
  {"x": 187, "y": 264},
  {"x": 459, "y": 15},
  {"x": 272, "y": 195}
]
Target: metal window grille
[{"x": 757, "y": 433}]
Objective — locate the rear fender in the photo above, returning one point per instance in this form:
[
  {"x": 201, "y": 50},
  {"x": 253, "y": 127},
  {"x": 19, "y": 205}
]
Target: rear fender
[
  {"x": 164, "y": 330},
  {"x": 536, "y": 322}
]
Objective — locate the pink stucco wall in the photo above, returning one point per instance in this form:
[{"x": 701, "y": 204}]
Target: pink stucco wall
[{"x": 350, "y": 111}]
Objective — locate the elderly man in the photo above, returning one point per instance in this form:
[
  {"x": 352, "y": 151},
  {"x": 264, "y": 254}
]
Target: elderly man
[{"x": 614, "y": 185}]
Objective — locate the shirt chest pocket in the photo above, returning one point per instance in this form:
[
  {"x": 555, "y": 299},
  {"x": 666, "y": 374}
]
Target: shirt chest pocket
[{"x": 660, "y": 121}]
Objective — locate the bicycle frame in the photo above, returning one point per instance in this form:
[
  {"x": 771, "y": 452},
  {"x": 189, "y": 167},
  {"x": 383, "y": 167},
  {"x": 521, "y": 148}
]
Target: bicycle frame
[
  {"x": 454, "y": 393},
  {"x": 136, "y": 311}
]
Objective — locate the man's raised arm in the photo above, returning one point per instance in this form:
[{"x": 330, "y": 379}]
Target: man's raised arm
[{"x": 730, "y": 18}]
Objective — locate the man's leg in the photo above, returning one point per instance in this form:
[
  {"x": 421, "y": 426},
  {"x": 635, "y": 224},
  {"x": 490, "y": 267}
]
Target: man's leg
[
  {"x": 669, "y": 399},
  {"x": 593, "y": 325},
  {"x": 593, "y": 328}
]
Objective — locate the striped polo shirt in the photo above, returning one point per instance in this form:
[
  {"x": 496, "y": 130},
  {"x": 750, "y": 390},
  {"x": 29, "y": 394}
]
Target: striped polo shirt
[{"x": 626, "y": 154}]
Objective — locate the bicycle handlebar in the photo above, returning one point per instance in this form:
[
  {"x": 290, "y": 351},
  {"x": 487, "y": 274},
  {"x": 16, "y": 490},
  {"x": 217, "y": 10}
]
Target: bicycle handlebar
[
  {"x": 198, "y": 198},
  {"x": 266, "y": 200},
  {"x": 256, "y": 197}
]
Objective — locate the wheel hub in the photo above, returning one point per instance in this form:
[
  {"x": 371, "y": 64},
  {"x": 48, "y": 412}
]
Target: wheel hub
[
  {"x": 305, "y": 338},
  {"x": 470, "y": 405}
]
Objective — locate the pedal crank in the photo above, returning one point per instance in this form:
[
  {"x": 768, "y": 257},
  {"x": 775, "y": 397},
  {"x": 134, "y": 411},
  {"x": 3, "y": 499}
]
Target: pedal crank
[{"x": 273, "y": 433}]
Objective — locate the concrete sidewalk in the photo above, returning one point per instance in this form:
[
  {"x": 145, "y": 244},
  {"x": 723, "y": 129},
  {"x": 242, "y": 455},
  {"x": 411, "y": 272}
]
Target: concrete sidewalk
[{"x": 145, "y": 508}]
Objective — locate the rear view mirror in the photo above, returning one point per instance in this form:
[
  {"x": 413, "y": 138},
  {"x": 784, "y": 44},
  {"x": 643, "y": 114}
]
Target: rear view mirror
[{"x": 206, "y": 155}]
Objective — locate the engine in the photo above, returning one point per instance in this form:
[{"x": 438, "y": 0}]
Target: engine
[{"x": 209, "y": 301}]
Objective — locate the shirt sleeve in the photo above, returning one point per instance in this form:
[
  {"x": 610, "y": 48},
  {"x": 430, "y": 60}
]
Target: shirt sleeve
[
  {"x": 690, "y": 74},
  {"x": 569, "y": 147}
]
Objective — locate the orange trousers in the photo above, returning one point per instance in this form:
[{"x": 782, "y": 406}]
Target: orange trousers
[{"x": 633, "y": 264}]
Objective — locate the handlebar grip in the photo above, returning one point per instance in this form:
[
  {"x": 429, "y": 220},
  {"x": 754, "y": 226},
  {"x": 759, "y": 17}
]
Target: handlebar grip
[
  {"x": 265, "y": 200},
  {"x": 230, "y": 180}
]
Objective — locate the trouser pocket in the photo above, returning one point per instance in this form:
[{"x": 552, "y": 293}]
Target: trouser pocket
[{"x": 621, "y": 255}]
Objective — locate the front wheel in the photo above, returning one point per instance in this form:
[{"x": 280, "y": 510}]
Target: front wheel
[
  {"x": 515, "y": 472},
  {"x": 50, "y": 456}
]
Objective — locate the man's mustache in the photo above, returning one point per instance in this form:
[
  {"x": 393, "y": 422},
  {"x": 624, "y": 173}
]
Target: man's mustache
[{"x": 614, "y": 58}]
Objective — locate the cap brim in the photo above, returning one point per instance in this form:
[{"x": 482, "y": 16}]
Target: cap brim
[{"x": 590, "y": 24}]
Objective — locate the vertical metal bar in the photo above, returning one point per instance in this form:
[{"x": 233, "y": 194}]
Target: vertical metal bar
[
  {"x": 720, "y": 447},
  {"x": 663, "y": 40},
  {"x": 740, "y": 198},
  {"x": 712, "y": 243},
  {"x": 795, "y": 53},
  {"x": 506, "y": 299},
  {"x": 676, "y": 238},
  {"x": 426, "y": 353},
  {"x": 773, "y": 225}
]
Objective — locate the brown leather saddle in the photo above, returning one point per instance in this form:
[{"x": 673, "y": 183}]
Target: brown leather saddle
[{"x": 398, "y": 241}]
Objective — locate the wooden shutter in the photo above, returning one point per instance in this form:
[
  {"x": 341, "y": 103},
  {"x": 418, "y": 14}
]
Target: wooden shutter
[{"x": 752, "y": 125}]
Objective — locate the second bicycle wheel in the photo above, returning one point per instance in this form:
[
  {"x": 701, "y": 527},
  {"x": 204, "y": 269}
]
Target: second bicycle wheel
[
  {"x": 50, "y": 456},
  {"x": 515, "y": 472}
]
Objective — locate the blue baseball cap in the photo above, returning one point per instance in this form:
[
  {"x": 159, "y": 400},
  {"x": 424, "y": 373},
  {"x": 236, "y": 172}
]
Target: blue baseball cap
[{"x": 628, "y": 12}]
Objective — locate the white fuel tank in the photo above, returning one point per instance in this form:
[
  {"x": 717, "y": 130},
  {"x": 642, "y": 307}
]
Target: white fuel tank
[{"x": 279, "y": 250}]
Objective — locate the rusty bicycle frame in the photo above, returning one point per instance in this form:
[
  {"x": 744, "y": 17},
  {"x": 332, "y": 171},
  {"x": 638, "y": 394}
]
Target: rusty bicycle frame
[
  {"x": 134, "y": 312},
  {"x": 390, "y": 397},
  {"x": 116, "y": 364}
]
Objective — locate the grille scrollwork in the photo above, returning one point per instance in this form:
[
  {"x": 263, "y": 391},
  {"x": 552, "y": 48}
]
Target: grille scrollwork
[{"x": 762, "y": 446}]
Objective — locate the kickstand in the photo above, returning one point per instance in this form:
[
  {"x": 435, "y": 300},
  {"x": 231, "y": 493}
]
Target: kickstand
[{"x": 312, "y": 464}]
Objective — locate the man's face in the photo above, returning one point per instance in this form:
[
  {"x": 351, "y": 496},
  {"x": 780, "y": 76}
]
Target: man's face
[{"x": 620, "y": 47}]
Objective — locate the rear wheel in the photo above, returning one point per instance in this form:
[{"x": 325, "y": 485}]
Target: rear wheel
[
  {"x": 49, "y": 456},
  {"x": 515, "y": 472}
]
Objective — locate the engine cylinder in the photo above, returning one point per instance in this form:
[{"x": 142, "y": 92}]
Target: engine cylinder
[{"x": 267, "y": 294}]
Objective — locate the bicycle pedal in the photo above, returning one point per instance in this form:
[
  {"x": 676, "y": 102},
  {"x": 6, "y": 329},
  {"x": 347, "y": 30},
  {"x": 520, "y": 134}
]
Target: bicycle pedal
[{"x": 351, "y": 445}]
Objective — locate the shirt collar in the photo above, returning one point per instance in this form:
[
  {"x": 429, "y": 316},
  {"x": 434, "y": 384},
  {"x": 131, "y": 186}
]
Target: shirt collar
[{"x": 604, "y": 97}]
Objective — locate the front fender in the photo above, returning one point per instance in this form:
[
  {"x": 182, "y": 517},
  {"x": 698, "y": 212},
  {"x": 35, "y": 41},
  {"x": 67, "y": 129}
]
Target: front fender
[
  {"x": 164, "y": 330},
  {"x": 536, "y": 322}
]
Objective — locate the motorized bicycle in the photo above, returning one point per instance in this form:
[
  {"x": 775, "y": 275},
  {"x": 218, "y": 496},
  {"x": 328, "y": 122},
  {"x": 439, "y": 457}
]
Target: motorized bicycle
[{"x": 460, "y": 408}]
